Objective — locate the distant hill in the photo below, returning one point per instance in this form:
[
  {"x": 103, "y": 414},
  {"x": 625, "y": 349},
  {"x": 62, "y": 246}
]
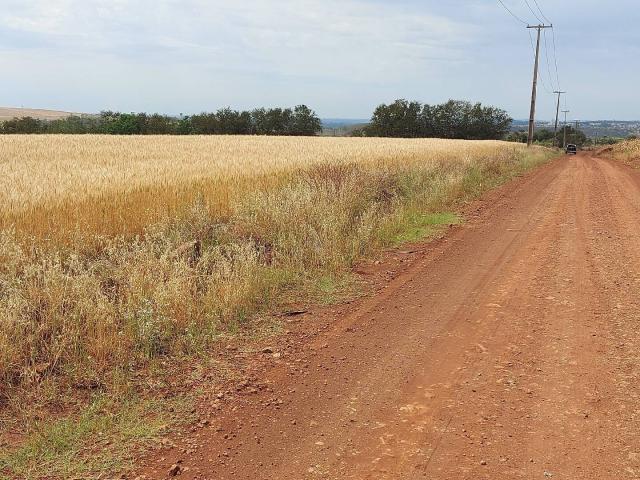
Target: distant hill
[
  {"x": 592, "y": 128},
  {"x": 7, "y": 113},
  {"x": 341, "y": 127}
]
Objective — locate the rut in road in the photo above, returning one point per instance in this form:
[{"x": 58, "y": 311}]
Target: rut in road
[{"x": 511, "y": 349}]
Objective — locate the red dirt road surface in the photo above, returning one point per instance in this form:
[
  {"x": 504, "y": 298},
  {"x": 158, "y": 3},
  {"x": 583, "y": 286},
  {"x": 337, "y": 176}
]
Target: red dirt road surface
[{"x": 508, "y": 349}]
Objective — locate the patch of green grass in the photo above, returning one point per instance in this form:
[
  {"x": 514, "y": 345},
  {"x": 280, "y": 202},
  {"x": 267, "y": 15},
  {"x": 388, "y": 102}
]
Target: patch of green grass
[
  {"x": 330, "y": 289},
  {"x": 89, "y": 445},
  {"x": 413, "y": 226}
]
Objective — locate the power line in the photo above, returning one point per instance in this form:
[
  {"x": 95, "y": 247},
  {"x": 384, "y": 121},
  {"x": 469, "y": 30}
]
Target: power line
[
  {"x": 555, "y": 128},
  {"x": 555, "y": 55},
  {"x": 536, "y": 51},
  {"x": 532, "y": 115},
  {"x": 564, "y": 139},
  {"x": 533, "y": 49},
  {"x": 511, "y": 13},
  {"x": 555, "y": 50},
  {"x": 542, "y": 13},
  {"x": 546, "y": 53},
  {"x": 533, "y": 11}
]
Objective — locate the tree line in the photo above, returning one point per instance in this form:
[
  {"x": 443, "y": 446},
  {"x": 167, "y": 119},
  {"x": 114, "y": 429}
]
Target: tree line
[
  {"x": 300, "y": 120},
  {"x": 456, "y": 119},
  {"x": 544, "y": 136}
]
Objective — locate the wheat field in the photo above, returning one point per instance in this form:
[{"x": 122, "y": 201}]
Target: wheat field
[
  {"x": 52, "y": 185},
  {"x": 115, "y": 251}
]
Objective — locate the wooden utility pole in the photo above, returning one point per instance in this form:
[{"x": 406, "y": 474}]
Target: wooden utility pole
[
  {"x": 534, "y": 90},
  {"x": 555, "y": 129},
  {"x": 564, "y": 141}
]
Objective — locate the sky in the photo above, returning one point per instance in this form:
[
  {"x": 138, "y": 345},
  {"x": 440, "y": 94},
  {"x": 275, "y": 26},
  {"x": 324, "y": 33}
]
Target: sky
[{"x": 340, "y": 57}]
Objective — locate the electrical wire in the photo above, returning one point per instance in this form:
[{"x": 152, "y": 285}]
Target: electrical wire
[
  {"x": 542, "y": 13},
  {"x": 546, "y": 47},
  {"x": 555, "y": 56},
  {"x": 546, "y": 54},
  {"x": 511, "y": 13},
  {"x": 555, "y": 50},
  {"x": 541, "y": 77},
  {"x": 533, "y": 11}
]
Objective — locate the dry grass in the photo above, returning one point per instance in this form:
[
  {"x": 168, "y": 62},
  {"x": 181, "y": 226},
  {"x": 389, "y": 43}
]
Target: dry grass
[
  {"x": 627, "y": 151},
  {"x": 115, "y": 251},
  {"x": 249, "y": 204},
  {"x": 221, "y": 224}
]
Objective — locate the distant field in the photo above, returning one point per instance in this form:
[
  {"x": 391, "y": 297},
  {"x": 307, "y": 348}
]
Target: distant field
[{"x": 7, "y": 113}]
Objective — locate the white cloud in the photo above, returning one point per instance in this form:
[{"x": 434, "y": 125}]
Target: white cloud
[
  {"x": 301, "y": 37},
  {"x": 340, "y": 56}
]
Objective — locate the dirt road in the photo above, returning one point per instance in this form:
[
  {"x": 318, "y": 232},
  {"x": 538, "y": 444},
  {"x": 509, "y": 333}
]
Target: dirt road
[{"x": 508, "y": 349}]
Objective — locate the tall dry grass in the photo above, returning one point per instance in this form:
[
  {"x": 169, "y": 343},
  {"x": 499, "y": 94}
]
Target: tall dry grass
[
  {"x": 627, "y": 151},
  {"x": 115, "y": 251}
]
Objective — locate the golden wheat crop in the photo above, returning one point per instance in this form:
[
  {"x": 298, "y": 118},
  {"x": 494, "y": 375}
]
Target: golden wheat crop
[
  {"x": 117, "y": 253},
  {"x": 223, "y": 225},
  {"x": 54, "y": 185}
]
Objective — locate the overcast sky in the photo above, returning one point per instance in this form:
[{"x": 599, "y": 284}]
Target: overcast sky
[{"x": 340, "y": 57}]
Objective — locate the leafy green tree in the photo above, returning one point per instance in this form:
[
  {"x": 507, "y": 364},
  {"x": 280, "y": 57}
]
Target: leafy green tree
[
  {"x": 279, "y": 121},
  {"x": 75, "y": 124},
  {"x": 577, "y": 137},
  {"x": 305, "y": 122},
  {"x": 125, "y": 123},
  {"x": 401, "y": 119},
  {"x": 184, "y": 126},
  {"x": 232, "y": 122},
  {"x": 157, "y": 124},
  {"x": 24, "y": 125},
  {"x": 452, "y": 119},
  {"x": 519, "y": 137},
  {"x": 275, "y": 121},
  {"x": 545, "y": 136},
  {"x": 204, "y": 124}
]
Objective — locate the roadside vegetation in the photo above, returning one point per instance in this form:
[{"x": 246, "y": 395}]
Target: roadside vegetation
[
  {"x": 627, "y": 151},
  {"x": 547, "y": 138},
  {"x": 122, "y": 255}
]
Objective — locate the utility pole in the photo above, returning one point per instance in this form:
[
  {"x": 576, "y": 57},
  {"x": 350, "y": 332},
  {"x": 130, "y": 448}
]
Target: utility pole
[
  {"x": 564, "y": 141},
  {"x": 534, "y": 90},
  {"x": 555, "y": 129}
]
